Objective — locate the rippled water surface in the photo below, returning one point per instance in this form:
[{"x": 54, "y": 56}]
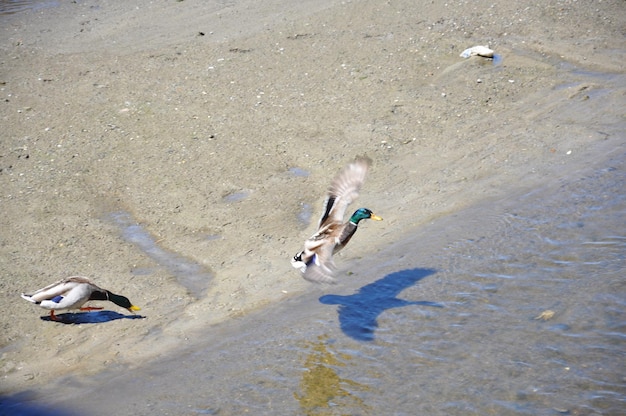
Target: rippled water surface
[
  {"x": 16, "y": 6},
  {"x": 513, "y": 307}
]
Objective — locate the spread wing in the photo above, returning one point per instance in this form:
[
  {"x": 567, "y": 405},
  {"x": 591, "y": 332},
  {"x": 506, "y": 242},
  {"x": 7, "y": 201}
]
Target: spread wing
[
  {"x": 343, "y": 190},
  {"x": 321, "y": 267}
]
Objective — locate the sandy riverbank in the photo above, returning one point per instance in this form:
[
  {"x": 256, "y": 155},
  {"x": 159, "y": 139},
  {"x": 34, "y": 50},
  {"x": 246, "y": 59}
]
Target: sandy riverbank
[{"x": 192, "y": 117}]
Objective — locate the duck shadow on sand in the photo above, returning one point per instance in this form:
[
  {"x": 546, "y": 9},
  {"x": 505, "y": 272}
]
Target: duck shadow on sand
[
  {"x": 89, "y": 317},
  {"x": 358, "y": 313}
]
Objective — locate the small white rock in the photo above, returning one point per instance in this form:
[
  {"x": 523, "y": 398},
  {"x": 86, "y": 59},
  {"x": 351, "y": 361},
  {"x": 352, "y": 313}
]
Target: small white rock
[{"x": 483, "y": 51}]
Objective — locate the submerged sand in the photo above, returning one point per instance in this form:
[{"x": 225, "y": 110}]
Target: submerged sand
[{"x": 216, "y": 127}]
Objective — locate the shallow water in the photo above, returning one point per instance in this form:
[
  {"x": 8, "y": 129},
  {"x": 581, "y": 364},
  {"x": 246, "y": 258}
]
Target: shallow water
[
  {"x": 457, "y": 320},
  {"x": 191, "y": 275},
  {"x": 16, "y": 6}
]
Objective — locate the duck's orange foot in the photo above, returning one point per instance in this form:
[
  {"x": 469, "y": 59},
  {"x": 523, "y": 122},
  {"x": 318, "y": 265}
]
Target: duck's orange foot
[{"x": 90, "y": 308}]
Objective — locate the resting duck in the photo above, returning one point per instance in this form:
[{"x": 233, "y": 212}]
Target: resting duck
[
  {"x": 316, "y": 260},
  {"x": 73, "y": 293}
]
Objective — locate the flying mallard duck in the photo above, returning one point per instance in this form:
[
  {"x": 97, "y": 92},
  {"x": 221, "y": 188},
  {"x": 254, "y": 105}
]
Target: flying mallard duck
[
  {"x": 73, "y": 293},
  {"x": 316, "y": 260}
]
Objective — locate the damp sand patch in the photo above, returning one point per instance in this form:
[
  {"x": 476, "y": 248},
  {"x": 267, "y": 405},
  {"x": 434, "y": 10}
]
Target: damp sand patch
[{"x": 191, "y": 275}]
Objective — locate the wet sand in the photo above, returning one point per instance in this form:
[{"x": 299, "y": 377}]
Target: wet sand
[
  {"x": 507, "y": 307},
  {"x": 217, "y": 128}
]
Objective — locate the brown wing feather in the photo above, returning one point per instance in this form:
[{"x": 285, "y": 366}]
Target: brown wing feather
[{"x": 344, "y": 189}]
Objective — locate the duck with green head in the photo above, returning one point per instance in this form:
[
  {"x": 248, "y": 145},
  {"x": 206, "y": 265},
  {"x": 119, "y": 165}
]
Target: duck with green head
[
  {"x": 72, "y": 293},
  {"x": 316, "y": 260}
]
